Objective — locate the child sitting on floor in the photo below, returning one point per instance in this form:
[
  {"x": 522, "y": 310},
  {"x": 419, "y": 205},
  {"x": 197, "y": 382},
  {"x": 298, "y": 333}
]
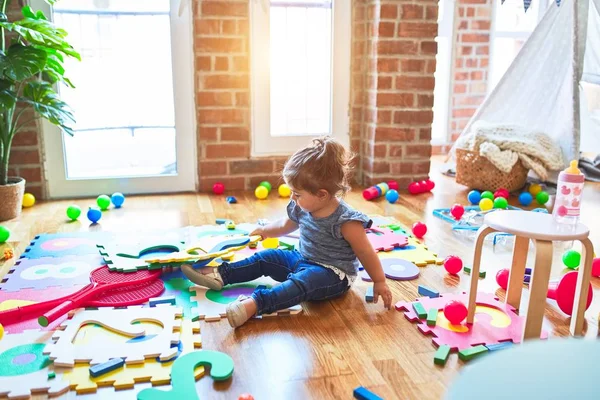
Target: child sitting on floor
[{"x": 332, "y": 241}]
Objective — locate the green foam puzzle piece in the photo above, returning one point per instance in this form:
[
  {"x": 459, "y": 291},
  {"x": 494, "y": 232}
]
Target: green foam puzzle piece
[
  {"x": 472, "y": 352},
  {"x": 182, "y": 375},
  {"x": 441, "y": 355},
  {"x": 432, "y": 316},
  {"x": 419, "y": 309}
]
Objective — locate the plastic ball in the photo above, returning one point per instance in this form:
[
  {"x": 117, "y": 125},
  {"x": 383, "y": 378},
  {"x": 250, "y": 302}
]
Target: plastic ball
[
  {"x": 284, "y": 190},
  {"x": 392, "y": 196},
  {"x": 261, "y": 192},
  {"x": 487, "y": 195},
  {"x": 455, "y": 311},
  {"x": 419, "y": 229},
  {"x": 453, "y": 264},
  {"x": 218, "y": 188},
  {"x": 414, "y": 188},
  {"x": 596, "y": 267},
  {"x": 73, "y": 212},
  {"x": 542, "y": 197},
  {"x": 500, "y": 202},
  {"x": 502, "y": 278},
  {"x": 457, "y": 211},
  {"x": 267, "y": 185},
  {"x": 28, "y": 200},
  {"x": 117, "y": 199},
  {"x": 103, "y": 202},
  {"x": 246, "y": 396},
  {"x": 4, "y": 234},
  {"x": 534, "y": 189},
  {"x": 486, "y": 204},
  {"x": 571, "y": 259},
  {"x": 525, "y": 198},
  {"x": 474, "y": 196},
  {"x": 430, "y": 184},
  {"x": 94, "y": 214}
]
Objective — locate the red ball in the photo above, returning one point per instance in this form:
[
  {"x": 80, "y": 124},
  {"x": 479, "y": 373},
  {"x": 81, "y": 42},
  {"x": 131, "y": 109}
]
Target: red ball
[
  {"x": 218, "y": 188},
  {"x": 453, "y": 264},
  {"x": 502, "y": 193},
  {"x": 246, "y": 396},
  {"x": 419, "y": 229},
  {"x": 430, "y": 184},
  {"x": 424, "y": 186},
  {"x": 414, "y": 188},
  {"x": 596, "y": 267},
  {"x": 455, "y": 311},
  {"x": 457, "y": 211},
  {"x": 502, "y": 278}
]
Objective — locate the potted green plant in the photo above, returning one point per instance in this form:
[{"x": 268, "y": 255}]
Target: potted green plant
[{"x": 31, "y": 63}]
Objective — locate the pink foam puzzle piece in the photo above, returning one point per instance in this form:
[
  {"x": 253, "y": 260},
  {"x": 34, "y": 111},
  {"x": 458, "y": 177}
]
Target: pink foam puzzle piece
[
  {"x": 495, "y": 322},
  {"x": 385, "y": 239}
]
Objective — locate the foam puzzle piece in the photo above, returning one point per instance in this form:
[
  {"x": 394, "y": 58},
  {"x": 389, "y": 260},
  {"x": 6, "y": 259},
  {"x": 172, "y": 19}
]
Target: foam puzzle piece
[
  {"x": 65, "y": 353},
  {"x": 152, "y": 370},
  {"x": 183, "y": 383},
  {"x": 65, "y": 244},
  {"x": 137, "y": 250},
  {"x": 495, "y": 322},
  {"x": 215, "y": 244},
  {"x": 385, "y": 239},
  {"x": 47, "y": 272},
  {"x": 415, "y": 252},
  {"x": 24, "y": 369},
  {"x": 199, "y": 232},
  {"x": 212, "y": 304},
  {"x": 10, "y": 300},
  {"x": 126, "y": 259}
]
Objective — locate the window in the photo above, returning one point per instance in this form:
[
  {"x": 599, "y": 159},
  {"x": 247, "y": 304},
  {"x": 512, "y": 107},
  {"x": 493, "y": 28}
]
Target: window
[
  {"x": 511, "y": 28},
  {"x": 300, "y": 73}
]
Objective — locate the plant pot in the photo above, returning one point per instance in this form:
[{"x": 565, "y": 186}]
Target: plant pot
[{"x": 11, "y": 198}]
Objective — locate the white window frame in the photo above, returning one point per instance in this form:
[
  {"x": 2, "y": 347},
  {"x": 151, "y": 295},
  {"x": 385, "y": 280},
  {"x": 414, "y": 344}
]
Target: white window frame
[
  {"x": 263, "y": 142},
  {"x": 186, "y": 177},
  {"x": 498, "y": 34}
]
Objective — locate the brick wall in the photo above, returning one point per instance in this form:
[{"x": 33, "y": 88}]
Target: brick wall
[
  {"x": 393, "y": 64},
  {"x": 471, "y": 63},
  {"x": 25, "y": 156}
]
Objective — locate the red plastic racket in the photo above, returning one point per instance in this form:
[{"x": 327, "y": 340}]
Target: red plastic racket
[
  {"x": 102, "y": 291},
  {"x": 100, "y": 276}
]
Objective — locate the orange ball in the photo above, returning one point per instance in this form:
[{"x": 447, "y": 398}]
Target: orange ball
[{"x": 246, "y": 396}]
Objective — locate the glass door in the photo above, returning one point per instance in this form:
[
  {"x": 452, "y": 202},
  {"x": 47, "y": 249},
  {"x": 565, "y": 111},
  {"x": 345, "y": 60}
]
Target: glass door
[{"x": 133, "y": 99}]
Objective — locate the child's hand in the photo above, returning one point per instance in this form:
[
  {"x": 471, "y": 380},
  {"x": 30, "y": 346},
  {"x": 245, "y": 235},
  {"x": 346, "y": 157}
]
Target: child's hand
[
  {"x": 383, "y": 290},
  {"x": 259, "y": 232}
]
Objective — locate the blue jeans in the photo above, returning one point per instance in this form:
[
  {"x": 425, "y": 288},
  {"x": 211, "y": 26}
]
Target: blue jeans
[{"x": 301, "y": 279}]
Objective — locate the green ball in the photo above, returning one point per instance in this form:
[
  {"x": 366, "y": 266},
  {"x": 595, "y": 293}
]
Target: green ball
[
  {"x": 266, "y": 184},
  {"x": 73, "y": 212},
  {"x": 4, "y": 234},
  {"x": 487, "y": 195},
  {"x": 571, "y": 259},
  {"x": 103, "y": 202},
  {"x": 500, "y": 202},
  {"x": 542, "y": 197}
]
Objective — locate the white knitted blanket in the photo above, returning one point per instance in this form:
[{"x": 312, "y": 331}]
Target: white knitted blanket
[{"x": 503, "y": 145}]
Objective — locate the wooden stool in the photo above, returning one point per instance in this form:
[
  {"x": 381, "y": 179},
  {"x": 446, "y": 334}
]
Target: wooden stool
[{"x": 542, "y": 228}]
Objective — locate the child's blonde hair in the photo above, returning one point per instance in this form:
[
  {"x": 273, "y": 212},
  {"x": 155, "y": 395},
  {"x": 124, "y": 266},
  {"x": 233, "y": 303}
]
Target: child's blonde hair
[{"x": 325, "y": 164}]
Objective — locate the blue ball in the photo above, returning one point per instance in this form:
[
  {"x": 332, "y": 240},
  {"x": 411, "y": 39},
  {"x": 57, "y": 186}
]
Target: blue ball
[
  {"x": 474, "y": 196},
  {"x": 392, "y": 196},
  {"x": 94, "y": 214},
  {"x": 117, "y": 199},
  {"x": 525, "y": 198}
]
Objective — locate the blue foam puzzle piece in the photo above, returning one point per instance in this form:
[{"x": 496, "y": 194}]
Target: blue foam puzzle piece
[
  {"x": 369, "y": 294},
  {"x": 65, "y": 244},
  {"x": 499, "y": 346},
  {"x": 425, "y": 291},
  {"x": 106, "y": 367},
  {"x": 362, "y": 393}
]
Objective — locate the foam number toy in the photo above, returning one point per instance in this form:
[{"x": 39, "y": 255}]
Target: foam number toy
[{"x": 182, "y": 375}]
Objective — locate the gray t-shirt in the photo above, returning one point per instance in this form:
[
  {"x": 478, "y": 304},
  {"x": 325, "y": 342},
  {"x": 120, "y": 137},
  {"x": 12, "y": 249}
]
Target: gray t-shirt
[{"x": 321, "y": 239}]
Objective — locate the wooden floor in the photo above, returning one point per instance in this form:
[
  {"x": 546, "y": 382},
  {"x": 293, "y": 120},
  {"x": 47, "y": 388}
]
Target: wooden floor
[{"x": 335, "y": 346}]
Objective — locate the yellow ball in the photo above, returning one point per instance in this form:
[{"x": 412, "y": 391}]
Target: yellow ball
[
  {"x": 284, "y": 190},
  {"x": 534, "y": 189},
  {"x": 261, "y": 192},
  {"x": 28, "y": 200},
  {"x": 486, "y": 204}
]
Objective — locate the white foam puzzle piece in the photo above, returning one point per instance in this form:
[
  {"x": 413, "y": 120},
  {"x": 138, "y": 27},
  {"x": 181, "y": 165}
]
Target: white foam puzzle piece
[
  {"x": 212, "y": 304},
  {"x": 65, "y": 353},
  {"x": 23, "y": 367}
]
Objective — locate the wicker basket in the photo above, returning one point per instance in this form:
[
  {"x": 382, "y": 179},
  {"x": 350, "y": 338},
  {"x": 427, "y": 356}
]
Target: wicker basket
[{"x": 477, "y": 172}]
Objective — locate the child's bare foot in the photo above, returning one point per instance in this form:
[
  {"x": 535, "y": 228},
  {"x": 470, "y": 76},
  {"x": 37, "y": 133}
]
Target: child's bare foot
[
  {"x": 205, "y": 276},
  {"x": 240, "y": 311}
]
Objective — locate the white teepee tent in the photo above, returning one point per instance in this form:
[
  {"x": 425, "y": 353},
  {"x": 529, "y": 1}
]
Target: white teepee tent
[{"x": 542, "y": 88}]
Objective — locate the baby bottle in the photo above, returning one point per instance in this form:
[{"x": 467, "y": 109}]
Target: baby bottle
[{"x": 568, "y": 195}]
